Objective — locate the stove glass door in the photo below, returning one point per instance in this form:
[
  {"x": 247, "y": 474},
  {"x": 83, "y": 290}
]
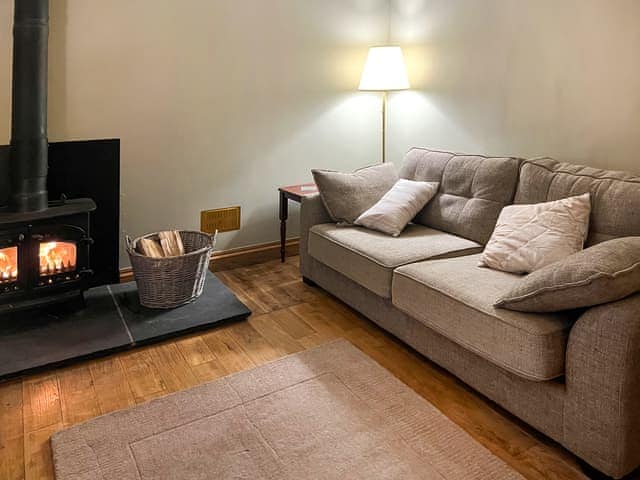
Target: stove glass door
[
  {"x": 57, "y": 258},
  {"x": 8, "y": 265}
]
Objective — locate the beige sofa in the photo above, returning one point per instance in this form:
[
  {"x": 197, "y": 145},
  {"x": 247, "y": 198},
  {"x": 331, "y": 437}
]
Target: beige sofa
[{"x": 574, "y": 375}]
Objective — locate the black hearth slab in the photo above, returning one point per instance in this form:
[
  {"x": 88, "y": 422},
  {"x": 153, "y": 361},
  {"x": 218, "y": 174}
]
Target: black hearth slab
[
  {"x": 217, "y": 304},
  {"x": 113, "y": 320},
  {"x": 35, "y": 339}
]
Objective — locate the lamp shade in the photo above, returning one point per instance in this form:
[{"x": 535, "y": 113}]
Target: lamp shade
[{"x": 384, "y": 70}]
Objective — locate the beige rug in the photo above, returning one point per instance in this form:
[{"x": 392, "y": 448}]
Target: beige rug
[{"x": 327, "y": 413}]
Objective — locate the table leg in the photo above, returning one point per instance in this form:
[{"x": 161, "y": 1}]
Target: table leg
[{"x": 284, "y": 213}]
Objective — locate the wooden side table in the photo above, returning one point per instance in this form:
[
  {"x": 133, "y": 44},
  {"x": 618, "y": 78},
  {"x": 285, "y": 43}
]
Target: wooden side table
[{"x": 295, "y": 193}]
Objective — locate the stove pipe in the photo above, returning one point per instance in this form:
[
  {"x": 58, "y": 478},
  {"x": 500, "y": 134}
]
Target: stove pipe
[{"x": 29, "y": 145}]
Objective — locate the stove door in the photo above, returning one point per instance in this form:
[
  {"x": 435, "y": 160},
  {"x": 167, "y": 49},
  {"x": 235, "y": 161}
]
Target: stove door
[
  {"x": 57, "y": 257},
  {"x": 13, "y": 268},
  {"x": 61, "y": 254},
  {"x": 9, "y": 265}
]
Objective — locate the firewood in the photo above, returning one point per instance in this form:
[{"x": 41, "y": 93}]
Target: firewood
[
  {"x": 165, "y": 243},
  {"x": 153, "y": 248},
  {"x": 171, "y": 243},
  {"x": 150, "y": 248},
  {"x": 167, "y": 248},
  {"x": 178, "y": 239},
  {"x": 142, "y": 247}
]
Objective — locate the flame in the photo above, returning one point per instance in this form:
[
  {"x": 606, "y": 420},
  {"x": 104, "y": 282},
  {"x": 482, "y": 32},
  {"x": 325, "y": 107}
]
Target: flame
[
  {"x": 8, "y": 264},
  {"x": 57, "y": 257}
]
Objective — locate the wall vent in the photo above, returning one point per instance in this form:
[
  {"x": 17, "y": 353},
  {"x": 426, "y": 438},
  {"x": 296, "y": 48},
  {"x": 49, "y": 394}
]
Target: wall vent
[{"x": 222, "y": 219}]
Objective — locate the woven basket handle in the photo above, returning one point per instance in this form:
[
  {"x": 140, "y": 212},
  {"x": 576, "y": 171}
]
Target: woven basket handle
[{"x": 128, "y": 243}]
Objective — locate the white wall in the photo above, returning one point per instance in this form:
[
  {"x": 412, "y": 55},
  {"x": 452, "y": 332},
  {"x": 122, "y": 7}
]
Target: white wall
[
  {"x": 524, "y": 77},
  {"x": 217, "y": 102}
]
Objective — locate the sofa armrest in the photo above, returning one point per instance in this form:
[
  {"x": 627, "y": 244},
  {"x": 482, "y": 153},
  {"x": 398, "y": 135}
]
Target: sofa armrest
[
  {"x": 602, "y": 420},
  {"x": 312, "y": 212}
]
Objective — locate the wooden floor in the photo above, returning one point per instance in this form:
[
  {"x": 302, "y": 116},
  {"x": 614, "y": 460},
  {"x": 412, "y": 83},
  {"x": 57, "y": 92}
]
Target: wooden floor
[{"x": 288, "y": 317}]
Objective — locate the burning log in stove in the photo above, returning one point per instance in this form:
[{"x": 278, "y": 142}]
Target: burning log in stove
[
  {"x": 57, "y": 257},
  {"x": 8, "y": 264}
]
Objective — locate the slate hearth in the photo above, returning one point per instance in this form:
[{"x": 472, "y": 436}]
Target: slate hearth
[{"x": 112, "y": 320}]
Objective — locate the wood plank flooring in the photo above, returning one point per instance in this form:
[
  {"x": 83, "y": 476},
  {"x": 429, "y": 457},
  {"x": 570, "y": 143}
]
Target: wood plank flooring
[{"x": 289, "y": 316}]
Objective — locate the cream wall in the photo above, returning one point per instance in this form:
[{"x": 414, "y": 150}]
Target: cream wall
[
  {"x": 524, "y": 77},
  {"x": 217, "y": 102}
]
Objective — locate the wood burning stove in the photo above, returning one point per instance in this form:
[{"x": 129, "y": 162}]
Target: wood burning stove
[
  {"x": 44, "y": 246},
  {"x": 45, "y": 255}
]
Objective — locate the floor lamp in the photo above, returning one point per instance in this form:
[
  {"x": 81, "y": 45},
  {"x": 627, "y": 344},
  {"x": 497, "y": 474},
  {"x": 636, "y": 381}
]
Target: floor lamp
[{"x": 384, "y": 71}]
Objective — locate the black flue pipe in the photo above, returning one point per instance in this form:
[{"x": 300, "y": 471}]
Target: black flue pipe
[{"x": 29, "y": 144}]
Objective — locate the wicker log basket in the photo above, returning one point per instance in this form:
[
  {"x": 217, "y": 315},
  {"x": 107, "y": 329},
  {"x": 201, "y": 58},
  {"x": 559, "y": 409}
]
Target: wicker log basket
[{"x": 169, "y": 282}]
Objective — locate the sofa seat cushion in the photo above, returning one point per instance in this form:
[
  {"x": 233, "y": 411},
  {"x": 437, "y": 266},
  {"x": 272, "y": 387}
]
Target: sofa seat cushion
[
  {"x": 455, "y": 297},
  {"x": 369, "y": 257}
]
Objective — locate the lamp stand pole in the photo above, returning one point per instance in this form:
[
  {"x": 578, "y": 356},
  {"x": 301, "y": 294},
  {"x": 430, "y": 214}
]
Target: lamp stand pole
[{"x": 384, "y": 127}]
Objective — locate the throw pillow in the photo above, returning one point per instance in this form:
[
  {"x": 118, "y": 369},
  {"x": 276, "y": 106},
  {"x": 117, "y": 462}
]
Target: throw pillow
[
  {"x": 347, "y": 195},
  {"x": 398, "y": 206},
  {"x": 606, "y": 272},
  {"x": 529, "y": 237}
]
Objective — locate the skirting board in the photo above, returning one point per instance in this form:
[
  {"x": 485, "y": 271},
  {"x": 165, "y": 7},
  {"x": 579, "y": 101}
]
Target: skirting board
[{"x": 238, "y": 257}]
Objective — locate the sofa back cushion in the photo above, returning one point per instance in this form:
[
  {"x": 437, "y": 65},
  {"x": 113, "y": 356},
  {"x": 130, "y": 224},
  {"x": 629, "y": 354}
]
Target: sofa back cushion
[
  {"x": 473, "y": 190},
  {"x": 615, "y": 196}
]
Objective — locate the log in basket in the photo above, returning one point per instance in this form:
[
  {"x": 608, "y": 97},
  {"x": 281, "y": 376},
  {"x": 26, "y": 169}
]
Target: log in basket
[{"x": 169, "y": 282}]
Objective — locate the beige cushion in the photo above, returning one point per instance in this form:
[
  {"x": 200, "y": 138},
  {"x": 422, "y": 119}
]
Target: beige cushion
[
  {"x": 347, "y": 195},
  {"x": 398, "y": 206},
  {"x": 606, "y": 272},
  {"x": 368, "y": 257},
  {"x": 615, "y": 196},
  {"x": 455, "y": 297},
  {"x": 473, "y": 190},
  {"x": 528, "y": 237}
]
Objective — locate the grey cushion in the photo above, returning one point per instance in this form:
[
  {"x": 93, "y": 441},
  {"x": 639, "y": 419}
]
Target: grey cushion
[
  {"x": 473, "y": 190},
  {"x": 606, "y": 272},
  {"x": 455, "y": 297},
  {"x": 347, "y": 195},
  {"x": 369, "y": 257},
  {"x": 615, "y": 196}
]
